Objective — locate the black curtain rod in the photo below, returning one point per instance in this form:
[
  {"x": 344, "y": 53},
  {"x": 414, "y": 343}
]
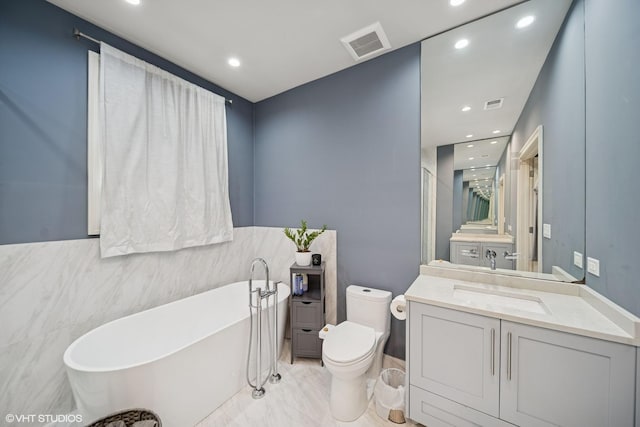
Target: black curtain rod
[{"x": 77, "y": 34}]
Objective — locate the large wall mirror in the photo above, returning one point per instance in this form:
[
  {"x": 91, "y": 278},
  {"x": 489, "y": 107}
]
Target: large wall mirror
[{"x": 503, "y": 143}]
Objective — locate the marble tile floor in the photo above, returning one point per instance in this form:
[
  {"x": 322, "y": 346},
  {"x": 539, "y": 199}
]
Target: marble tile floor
[{"x": 301, "y": 399}]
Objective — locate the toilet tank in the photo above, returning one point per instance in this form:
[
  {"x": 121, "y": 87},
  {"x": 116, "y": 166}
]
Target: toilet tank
[{"x": 369, "y": 307}]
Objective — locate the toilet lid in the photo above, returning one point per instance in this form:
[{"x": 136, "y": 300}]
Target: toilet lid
[{"x": 349, "y": 342}]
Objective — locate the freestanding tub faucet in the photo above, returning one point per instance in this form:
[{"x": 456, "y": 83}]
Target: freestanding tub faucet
[{"x": 256, "y": 303}]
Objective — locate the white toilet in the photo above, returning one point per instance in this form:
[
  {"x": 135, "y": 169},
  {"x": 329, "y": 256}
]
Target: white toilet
[{"x": 352, "y": 351}]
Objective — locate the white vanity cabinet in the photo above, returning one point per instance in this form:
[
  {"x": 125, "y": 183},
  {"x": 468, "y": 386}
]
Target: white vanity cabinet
[
  {"x": 468, "y": 370},
  {"x": 466, "y": 253},
  {"x": 474, "y": 253},
  {"x": 455, "y": 355},
  {"x": 552, "y": 378}
]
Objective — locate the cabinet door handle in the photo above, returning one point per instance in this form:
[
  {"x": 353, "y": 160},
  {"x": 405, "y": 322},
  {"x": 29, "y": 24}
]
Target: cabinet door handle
[
  {"x": 306, "y": 302},
  {"x": 493, "y": 352},
  {"x": 306, "y": 330},
  {"x": 471, "y": 253},
  {"x": 509, "y": 356}
]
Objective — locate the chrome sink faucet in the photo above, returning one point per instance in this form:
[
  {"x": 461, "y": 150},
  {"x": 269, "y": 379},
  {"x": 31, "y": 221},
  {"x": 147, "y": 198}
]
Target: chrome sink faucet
[{"x": 491, "y": 256}]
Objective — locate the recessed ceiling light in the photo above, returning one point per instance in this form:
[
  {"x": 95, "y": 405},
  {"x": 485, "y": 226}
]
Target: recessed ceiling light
[
  {"x": 488, "y": 166},
  {"x": 470, "y": 146},
  {"x": 466, "y": 108},
  {"x": 525, "y": 22},
  {"x": 494, "y": 142},
  {"x": 470, "y": 158},
  {"x": 462, "y": 43},
  {"x": 474, "y": 175},
  {"x": 456, "y": 2},
  {"x": 496, "y": 131},
  {"x": 134, "y": 2},
  {"x": 234, "y": 62},
  {"x": 470, "y": 136}
]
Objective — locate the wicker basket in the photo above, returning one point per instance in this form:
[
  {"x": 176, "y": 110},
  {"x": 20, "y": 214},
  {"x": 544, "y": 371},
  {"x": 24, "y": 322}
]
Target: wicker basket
[{"x": 129, "y": 417}]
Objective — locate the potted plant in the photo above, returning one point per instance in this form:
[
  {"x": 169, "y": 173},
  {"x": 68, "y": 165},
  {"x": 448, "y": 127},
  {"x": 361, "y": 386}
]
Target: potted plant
[{"x": 302, "y": 239}]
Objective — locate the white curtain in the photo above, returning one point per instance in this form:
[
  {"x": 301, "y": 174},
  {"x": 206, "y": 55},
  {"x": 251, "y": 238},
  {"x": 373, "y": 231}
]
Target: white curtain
[{"x": 164, "y": 142}]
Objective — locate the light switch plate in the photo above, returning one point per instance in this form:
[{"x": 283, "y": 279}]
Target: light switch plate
[
  {"x": 593, "y": 266},
  {"x": 510, "y": 228},
  {"x": 577, "y": 259},
  {"x": 546, "y": 231}
]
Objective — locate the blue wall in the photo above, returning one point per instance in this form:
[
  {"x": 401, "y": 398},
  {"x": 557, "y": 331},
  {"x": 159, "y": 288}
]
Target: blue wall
[
  {"x": 557, "y": 102},
  {"x": 43, "y": 113},
  {"x": 588, "y": 95},
  {"x": 345, "y": 151},
  {"x": 444, "y": 201},
  {"x": 613, "y": 148},
  {"x": 458, "y": 185}
]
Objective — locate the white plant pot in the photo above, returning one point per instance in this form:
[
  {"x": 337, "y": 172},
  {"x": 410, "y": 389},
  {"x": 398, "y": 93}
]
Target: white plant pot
[{"x": 303, "y": 259}]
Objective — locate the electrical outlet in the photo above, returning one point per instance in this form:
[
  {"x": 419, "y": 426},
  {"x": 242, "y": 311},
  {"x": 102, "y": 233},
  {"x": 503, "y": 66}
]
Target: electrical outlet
[
  {"x": 593, "y": 266},
  {"x": 577, "y": 259},
  {"x": 510, "y": 228},
  {"x": 546, "y": 231}
]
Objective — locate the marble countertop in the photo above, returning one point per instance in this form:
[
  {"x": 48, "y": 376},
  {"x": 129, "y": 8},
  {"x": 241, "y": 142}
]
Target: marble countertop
[
  {"x": 564, "y": 277},
  {"x": 479, "y": 237},
  {"x": 563, "y": 307}
]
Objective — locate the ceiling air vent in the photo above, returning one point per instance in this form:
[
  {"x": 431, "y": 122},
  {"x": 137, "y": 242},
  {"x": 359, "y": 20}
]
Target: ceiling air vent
[
  {"x": 366, "y": 42},
  {"x": 494, "y": 104}
]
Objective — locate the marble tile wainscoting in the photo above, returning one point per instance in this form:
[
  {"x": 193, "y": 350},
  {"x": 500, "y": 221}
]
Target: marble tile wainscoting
[{"x": 53, "y": 292}]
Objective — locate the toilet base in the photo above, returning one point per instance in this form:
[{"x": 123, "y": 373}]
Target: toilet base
[{"x": 349, "y": 398}]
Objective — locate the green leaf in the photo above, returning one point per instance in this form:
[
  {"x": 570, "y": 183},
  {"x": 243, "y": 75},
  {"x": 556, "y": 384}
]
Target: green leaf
[{"x": 301, "y": 238}]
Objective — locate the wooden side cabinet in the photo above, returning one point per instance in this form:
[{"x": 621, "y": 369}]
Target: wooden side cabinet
[{"x": 307, "y": 312}]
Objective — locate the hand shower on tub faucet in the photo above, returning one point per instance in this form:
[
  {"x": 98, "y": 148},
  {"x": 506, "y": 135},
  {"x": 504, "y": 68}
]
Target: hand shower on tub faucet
[{"x": 266, "y": 271}]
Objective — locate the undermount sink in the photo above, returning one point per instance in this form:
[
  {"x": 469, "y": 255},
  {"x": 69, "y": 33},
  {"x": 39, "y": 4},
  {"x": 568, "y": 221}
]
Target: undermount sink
[{"x": 495, "y": 298}]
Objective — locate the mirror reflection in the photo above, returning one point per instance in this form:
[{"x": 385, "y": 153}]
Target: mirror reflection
[
  {"x": 478, "y": 173},
  {"x": 490, "y": 110}
]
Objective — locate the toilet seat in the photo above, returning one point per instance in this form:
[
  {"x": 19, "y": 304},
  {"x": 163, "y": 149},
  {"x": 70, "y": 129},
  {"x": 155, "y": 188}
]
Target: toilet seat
[{"x": 349, "y": 343}]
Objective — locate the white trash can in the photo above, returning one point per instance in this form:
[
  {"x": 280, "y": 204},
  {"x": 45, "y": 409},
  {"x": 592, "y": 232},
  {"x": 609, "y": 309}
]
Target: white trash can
[{"x": 389, "y": 393}]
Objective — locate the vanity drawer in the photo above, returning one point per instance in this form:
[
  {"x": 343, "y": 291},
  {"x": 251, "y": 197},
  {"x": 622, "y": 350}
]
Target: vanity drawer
[
  {"x": 306, "y": 343},
  {"x": 436, "y": 411},
  {"x": 465, "y": 253},
  {"x": 307, "y": 314}
]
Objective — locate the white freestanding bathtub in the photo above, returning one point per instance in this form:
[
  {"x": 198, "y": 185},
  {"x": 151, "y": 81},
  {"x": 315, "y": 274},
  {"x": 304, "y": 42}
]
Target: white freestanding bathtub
[{"x": 181, "y": 360}]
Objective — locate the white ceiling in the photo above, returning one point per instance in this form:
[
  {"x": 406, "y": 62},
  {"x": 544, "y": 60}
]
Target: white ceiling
[
  {"x": 482, "y": 153},
  {"x": 499, "y": 62},
  {"x": 478, "y": 161},
  {"x": 281, "y": 43}
]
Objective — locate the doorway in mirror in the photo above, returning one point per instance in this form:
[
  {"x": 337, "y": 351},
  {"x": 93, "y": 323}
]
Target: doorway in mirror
[{"x": 529, "y": 206}]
